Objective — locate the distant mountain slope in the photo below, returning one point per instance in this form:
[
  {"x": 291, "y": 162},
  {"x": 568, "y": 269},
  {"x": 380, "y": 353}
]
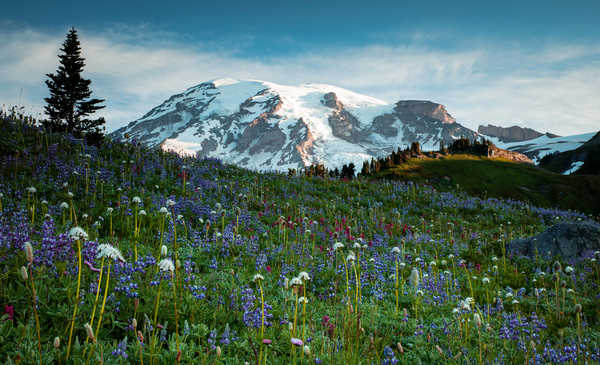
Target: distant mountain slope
[
  {"x": 539, "y": 147},
  {"x": 267, "y": 126},
  {"x": 584, "y": 160},
  {"x": 511, "y": 134}
]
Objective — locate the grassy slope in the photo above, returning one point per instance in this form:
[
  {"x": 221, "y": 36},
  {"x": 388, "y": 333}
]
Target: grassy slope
[{"x": 503, "y": 179}]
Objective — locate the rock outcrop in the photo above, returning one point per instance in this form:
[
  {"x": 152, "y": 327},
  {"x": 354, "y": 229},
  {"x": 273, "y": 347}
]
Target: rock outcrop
[
  {"x": 570, "y": 241},
  {"x": 495, "y": 152}
]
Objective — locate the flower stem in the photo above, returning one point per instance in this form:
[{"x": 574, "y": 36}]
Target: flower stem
[
  {"x": 76, "y": 297},
  {"x": 97, "y": 292},
  {"x": 37, "y": 318},
  {"x": 103, "y": 300}
]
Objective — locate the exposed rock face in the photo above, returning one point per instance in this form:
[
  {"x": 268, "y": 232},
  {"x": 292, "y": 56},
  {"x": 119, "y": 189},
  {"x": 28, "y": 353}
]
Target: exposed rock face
[
  {"x": 405, "y": 108},
  {"x": 496, "y": 152},
  {"x": 511, "y": 134},
  {"x": 571, "y": 241},
  {"x": 265, "y": 126},
  {"x": 343, "y": 124}
]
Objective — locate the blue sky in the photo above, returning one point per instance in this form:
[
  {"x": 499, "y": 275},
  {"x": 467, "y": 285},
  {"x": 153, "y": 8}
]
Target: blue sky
[{"x": 527, "y": 63}]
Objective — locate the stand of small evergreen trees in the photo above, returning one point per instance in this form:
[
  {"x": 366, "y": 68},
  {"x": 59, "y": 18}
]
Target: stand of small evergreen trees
[
  {"x": 398, "y": 157},
  {"x": 319, "y": 170}
]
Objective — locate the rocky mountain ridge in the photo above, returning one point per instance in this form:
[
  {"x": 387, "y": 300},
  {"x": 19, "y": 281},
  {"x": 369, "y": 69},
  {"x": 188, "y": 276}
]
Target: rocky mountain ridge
[{"x": 511, "y": 134}]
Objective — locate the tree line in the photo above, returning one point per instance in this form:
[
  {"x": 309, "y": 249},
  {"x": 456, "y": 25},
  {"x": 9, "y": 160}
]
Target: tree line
[{"x": 478, "y": 147}]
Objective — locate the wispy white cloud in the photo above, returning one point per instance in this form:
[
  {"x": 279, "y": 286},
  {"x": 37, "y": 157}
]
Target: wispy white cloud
[{"x": 548, "y": 87}]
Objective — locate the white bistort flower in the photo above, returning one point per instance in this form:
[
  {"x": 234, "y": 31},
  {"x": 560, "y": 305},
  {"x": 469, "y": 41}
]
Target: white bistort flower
[
  {"x": 142, "y": 212},
  {"x": 77, "y": 233},
  {"x": 64, "y": 205},
  {"x": 28, "y": 251},
  {"x": 396, "y": 250},
  {"x": 569, "y": 269},
  {"x": 170, "y": 203},
  {"x": 31, "y": 190},
  {"x": 136, "y": 200},
  {"x": 303, "y": 300},
  {"x": 257, "y": 277},
  {"x": 304, "y": 276},
  {"x": 414, "y": 277},
  {"x": 109, "y": 210},
  {"x": 477, "y": 319},
  {"x": 110, "y": 251},
  {"x": 337, "y": 246},
  {"x": 295, "y": 282},
  {"x": 163, "y": 210},
  {"x": 166, "y": 265},
  {"x": 306, "y": 350},
  {"x": 163, "y": 250}
]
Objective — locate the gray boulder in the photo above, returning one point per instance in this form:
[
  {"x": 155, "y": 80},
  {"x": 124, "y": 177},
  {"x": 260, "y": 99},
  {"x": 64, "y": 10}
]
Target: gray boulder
[{"x": 571, "y": 241}]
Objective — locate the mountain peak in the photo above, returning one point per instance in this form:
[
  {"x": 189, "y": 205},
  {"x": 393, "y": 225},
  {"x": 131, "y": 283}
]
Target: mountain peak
[
  {"x": 224, "y": 82},
  {"x": 267, "y": 126},
  {"x": 425, "y": 107}
]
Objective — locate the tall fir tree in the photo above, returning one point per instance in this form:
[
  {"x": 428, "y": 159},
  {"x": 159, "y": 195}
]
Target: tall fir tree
[{"x": 69, "y": 103}]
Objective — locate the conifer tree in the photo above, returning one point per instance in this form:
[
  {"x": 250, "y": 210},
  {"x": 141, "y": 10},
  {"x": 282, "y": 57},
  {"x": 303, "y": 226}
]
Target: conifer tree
[{"x": 70, "y": 101}]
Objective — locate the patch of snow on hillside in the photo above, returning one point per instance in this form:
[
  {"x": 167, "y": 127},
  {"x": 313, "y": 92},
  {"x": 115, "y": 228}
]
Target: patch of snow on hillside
[
  {"x": 180, "y": 147},
  {"x": 366, "y": 113},
  {"x": 574, "y": 167}
]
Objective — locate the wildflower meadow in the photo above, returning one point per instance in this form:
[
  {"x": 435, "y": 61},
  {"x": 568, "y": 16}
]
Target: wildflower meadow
[{"x": 121, "y": 254}]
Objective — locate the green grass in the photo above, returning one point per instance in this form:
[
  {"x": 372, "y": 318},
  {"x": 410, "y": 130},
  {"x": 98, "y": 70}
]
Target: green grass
[{"x": 501, "y": 178}]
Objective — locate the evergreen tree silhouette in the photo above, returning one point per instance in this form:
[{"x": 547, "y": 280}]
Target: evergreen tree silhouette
[{"x": 69, "y": 103}]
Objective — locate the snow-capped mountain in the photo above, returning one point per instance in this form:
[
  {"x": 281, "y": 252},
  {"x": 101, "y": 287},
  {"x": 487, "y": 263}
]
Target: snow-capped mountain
[{"x": 265, "y": 126}]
